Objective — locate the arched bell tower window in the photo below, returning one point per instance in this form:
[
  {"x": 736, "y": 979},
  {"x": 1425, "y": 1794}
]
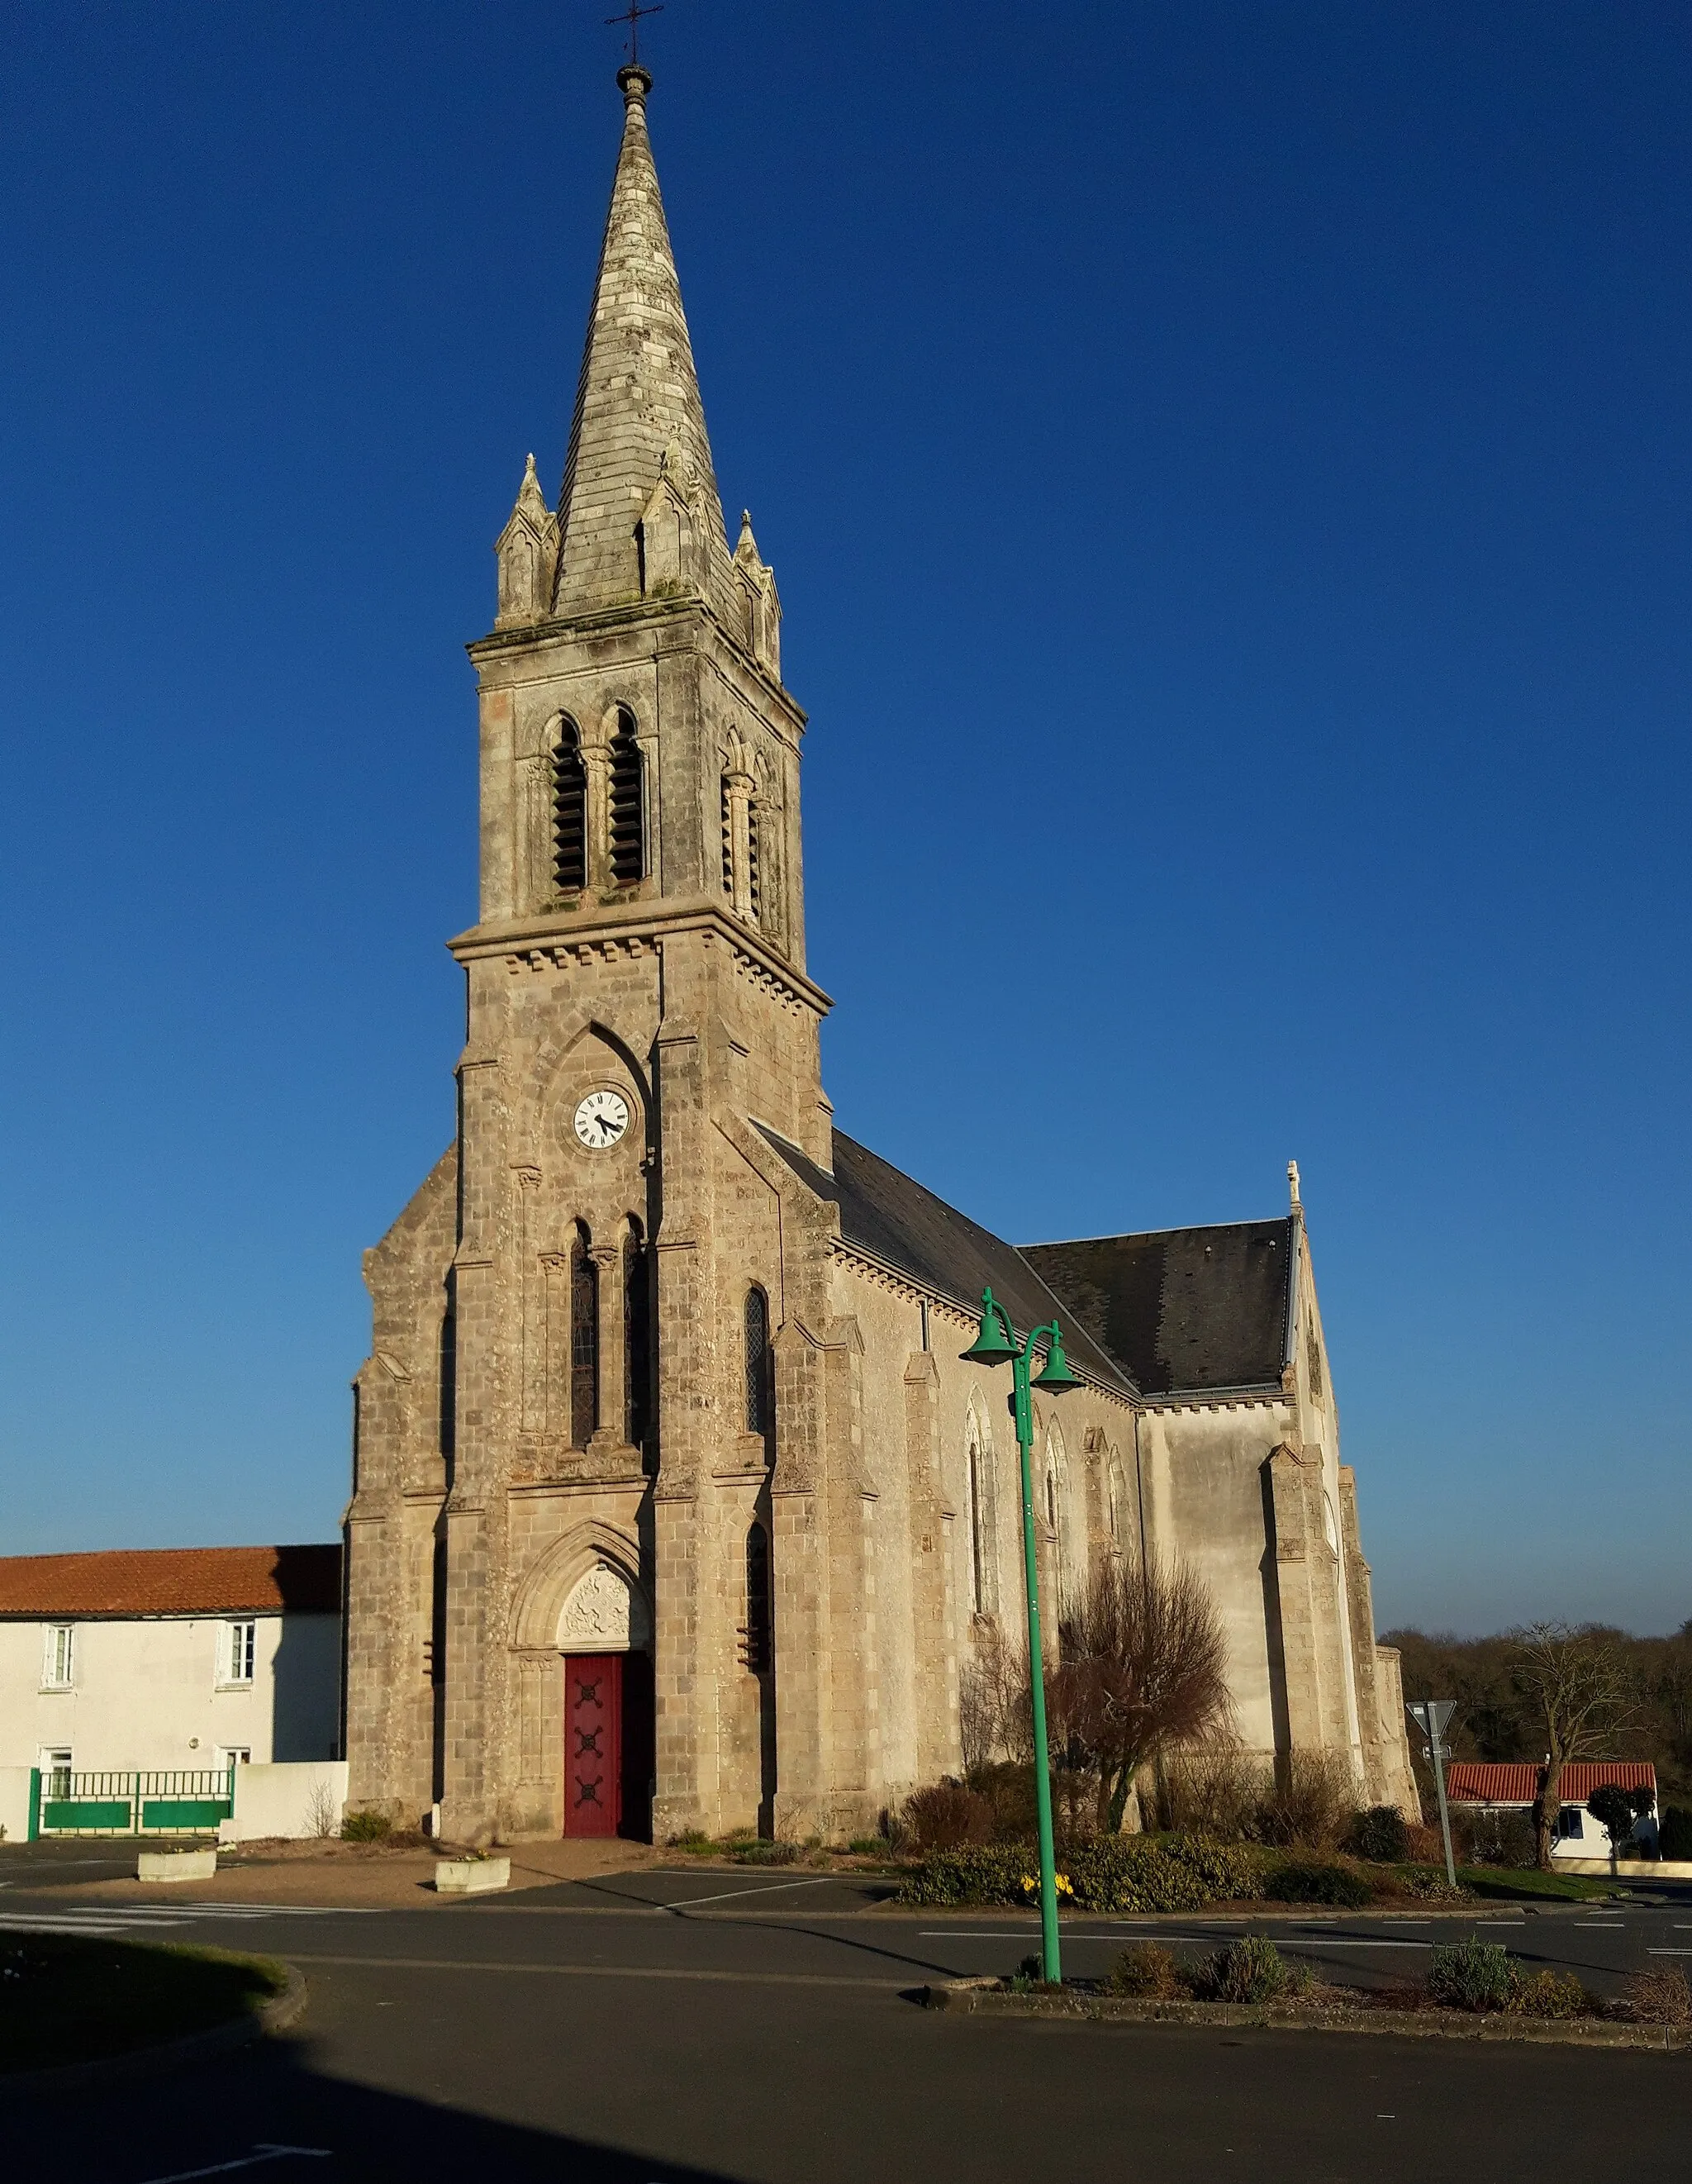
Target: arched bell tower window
[
  {"x": 760, "y": 1378},
  {"x": 628, "y": 803},
  {"x": 584, "y": 1340},
  {"x": 569, "y": 811}
]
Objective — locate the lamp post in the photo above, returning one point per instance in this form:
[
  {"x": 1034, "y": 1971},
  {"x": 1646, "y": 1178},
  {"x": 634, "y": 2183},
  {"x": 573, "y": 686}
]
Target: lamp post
[{"x": 996, "y": 1344}]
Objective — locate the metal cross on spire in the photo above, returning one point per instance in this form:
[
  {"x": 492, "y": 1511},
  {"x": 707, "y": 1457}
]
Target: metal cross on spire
[{"x": 633, "y": 18}]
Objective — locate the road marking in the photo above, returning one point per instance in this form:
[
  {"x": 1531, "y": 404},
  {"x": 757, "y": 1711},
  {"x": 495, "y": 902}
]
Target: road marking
[
  {"x": 911, "y": 1978},
  {"x": 143, "y": 1918},
  {"x": 763, "y": 1888},
  {"x": 1336, "y": 1941},
  {"x": 262, "y": 2152},
  {"x": 1668, "y": 1952}
]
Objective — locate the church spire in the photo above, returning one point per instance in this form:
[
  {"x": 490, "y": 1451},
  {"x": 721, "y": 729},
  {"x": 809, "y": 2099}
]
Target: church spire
[{"x": 638, "y": 416}]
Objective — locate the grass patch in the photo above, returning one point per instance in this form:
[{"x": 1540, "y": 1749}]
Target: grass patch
[
  {"x": 1510, "y": 1881},
  {"x": 66, "y": 2000}
]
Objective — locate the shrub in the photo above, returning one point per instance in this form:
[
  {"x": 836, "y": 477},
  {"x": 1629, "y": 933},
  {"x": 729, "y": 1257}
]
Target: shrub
[
  {"x": 1505, "y": 1838},
  {"x": 1311, "y": 1803},
  {"x": 1149, "y": 1971},
  {"x": 1473, "y": 1974},
  {"x": 1674, "y": 1832},
  {"x": 1379, "y": 1836},
  {"x": 1007, "y": 1789},
  {"x": 1659, "y": 1996},
  {"x": 367, "y": 1827},
  {"x": 1173, "y": 1873},
  {"x": 1215, "y": 1790},
  {"x": 1112, "y": 1873},
  {"x": 757, "y": 1851},
  {"x": 1425, "y": 1846},
  {"x": 1550, "y": 1994},
  {"x": 1250, "y": 1969},
  {"x": 945, "y": 1816},
  {"x": 1316, "y": 1884},
  {"x": 977, "y": 1873}
]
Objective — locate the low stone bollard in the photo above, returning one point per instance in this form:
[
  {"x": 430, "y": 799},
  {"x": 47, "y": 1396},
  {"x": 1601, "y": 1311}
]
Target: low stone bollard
[
  {"x": 176, "y": 1866},
  {"x": 471, "y": 1876}
]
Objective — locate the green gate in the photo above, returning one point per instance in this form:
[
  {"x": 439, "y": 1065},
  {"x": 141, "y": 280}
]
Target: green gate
[{"x": 170, "y": 1801}]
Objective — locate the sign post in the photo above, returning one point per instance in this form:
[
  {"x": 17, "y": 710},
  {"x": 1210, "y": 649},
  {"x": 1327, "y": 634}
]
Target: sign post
[{"x": 1431, "y": 1717}]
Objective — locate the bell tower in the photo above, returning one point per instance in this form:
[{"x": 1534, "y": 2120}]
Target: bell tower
[{"x": 638, "y": 1000}]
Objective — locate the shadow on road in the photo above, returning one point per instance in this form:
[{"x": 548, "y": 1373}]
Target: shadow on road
[{"x": 272, "y": 2115}]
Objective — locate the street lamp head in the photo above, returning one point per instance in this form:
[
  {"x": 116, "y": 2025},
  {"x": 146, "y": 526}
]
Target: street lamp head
[
  {"x": 1055, "y": 1376},
  {"x": 992, "y": 1346}
]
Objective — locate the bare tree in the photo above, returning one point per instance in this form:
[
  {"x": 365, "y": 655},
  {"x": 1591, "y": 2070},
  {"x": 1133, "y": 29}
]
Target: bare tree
[
  {"x": 992, "y": 1703},
  {"x": 1576, "y": 1682},
  {"x": 1143, "y": 1665}
]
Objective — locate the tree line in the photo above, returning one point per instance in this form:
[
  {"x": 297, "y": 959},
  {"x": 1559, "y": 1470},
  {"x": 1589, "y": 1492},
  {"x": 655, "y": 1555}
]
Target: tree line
[{"x": 1637, "y": 1691}]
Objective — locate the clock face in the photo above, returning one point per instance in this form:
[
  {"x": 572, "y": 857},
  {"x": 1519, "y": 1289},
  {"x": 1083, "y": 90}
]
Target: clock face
[{"x": 601, "y": 1119}]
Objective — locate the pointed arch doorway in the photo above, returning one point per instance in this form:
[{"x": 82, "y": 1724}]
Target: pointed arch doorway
[{"x": 603, "y": 1633}]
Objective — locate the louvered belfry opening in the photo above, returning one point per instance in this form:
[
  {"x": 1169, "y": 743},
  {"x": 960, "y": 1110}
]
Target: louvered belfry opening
[
  {"x": 753, "y": 887},
  {"x": 628, "y": 804},
  {"x": 728, "y": 841},
  {"x": 584, "y": 1341},
  {"x": 760, "y": 1382},
  {"x": 568, "y": 811}
]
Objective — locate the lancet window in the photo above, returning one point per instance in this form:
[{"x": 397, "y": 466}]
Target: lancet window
[
  {"x": 637, "y": 1335},
  {"x": 978, "y": 1500},
  {"x": 759, "y": 1640},
  {"x": 569, "y": 811},
  {"x": 760, "y": 1378},
  {"x": 584, "y": 1340}
]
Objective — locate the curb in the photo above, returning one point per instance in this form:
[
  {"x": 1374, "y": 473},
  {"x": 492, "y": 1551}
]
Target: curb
[
  {"x": 987, "y": 1998},
  {"x": 136, "y": 2063}
]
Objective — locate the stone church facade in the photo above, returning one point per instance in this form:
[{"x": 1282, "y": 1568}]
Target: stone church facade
[{"x": 674, "y": 1504}]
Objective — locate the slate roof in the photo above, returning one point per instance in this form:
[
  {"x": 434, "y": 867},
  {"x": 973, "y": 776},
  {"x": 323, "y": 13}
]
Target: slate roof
[
  {"x": 906, "y": 1227},
  {"x": 1181, "y": 1310},
  {"x": 1517, "y": 1782},
  {"x": 172, "y": 1581}
]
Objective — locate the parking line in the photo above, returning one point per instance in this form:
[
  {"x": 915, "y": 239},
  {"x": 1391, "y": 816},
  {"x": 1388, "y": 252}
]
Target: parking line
[{"x": 763, "y": 1888}]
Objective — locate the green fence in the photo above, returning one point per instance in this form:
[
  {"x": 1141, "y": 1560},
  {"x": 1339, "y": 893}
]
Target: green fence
[{"x": 170, "y": 1801}]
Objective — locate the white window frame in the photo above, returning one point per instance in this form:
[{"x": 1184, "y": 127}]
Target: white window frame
[
  {"x": 237, "y": 1652},
  {"x": 59, "y": 1657},
  {"x": 57, "y": 1760},
  {"x": 233, "y": 1755}
]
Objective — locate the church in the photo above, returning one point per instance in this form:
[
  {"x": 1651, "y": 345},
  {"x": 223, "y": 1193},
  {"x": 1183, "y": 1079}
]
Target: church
[{"x": 675, "y": 1505}]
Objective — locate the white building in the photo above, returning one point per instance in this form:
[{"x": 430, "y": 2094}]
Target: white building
[
  {"x": 1512, "y": 1785},
  {"x": 176, "y": 1660}
]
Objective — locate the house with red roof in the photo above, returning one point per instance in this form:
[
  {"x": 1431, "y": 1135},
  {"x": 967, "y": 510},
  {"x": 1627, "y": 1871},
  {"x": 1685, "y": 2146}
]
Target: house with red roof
[
  {"x": 173, "y": 1661},
  {"x": 1512, "y": 1785}
]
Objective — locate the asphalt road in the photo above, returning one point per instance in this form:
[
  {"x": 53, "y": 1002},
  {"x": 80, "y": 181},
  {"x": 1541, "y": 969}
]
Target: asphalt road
[{"x": 667, "y": 2026}]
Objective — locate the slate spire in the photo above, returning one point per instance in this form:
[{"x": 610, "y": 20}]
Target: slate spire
[{"x": 637, "y": 409}]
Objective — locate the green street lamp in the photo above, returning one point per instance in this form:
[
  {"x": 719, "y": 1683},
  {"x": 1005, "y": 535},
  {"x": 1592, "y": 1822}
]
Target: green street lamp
[{"x": 996, "y": 1344}]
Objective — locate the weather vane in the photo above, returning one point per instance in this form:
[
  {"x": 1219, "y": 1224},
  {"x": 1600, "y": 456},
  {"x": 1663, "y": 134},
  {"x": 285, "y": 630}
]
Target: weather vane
[{"x": 633, "y": 20}]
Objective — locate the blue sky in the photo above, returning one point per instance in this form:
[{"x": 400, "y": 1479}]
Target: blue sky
[{"x": 1226, "y": 468}]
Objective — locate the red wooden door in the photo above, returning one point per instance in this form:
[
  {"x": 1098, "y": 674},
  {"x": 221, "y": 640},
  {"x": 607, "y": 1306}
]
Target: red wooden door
[{"x": 593, "y": 1743}]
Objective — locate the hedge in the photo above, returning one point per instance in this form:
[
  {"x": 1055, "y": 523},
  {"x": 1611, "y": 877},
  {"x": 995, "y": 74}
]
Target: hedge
[{"x": 1112, "y": 1873}]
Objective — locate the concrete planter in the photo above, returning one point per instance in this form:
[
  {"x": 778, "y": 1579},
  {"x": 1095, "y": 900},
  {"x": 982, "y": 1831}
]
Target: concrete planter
[
  {"x": 176, "y": 1866},
  {"x": 471, "y": 1876}
]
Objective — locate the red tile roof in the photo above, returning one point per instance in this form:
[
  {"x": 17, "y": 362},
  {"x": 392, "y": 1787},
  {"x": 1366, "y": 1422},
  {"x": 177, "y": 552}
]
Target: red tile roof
[
  {"x": 172, "y": 1581},
  {"x": 1517, "y": 1782}
]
